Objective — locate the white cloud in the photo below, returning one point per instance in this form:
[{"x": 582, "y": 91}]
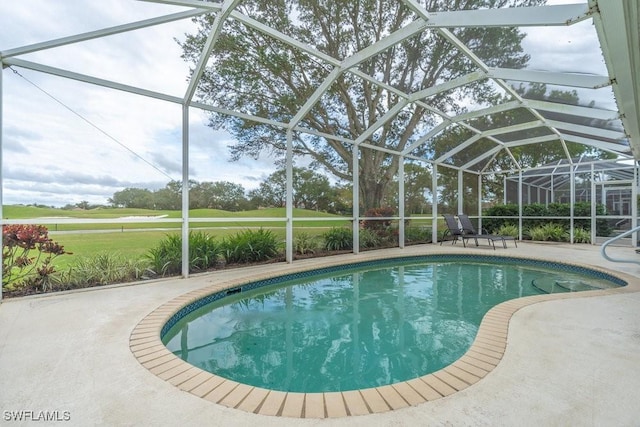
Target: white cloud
[{"x": 54, "y": 156}]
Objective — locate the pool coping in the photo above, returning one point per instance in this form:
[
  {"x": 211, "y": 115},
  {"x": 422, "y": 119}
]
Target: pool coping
[{"x": 481, "y": 358}]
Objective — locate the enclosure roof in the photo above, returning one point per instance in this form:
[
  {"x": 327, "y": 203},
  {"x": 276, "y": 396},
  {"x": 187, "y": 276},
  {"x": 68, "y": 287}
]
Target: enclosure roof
[
  {"x": 607, "y": 117},
  {"x": 561, "y": 173}
]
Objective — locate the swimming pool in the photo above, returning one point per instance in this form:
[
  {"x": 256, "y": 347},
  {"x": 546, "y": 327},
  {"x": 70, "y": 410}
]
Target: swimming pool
[{"x": 358, "y": 326}]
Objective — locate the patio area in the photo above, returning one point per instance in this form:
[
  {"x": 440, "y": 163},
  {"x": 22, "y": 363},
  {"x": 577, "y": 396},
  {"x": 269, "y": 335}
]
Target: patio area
[{"x": 567, "y": 362}]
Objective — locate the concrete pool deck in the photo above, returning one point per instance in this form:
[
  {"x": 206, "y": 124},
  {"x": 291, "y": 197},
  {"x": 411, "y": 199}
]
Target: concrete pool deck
[{"x": 567, "y": 362}]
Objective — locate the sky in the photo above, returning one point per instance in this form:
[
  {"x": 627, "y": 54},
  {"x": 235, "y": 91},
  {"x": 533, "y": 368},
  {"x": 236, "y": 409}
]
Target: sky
[{"x": 79, "y": 147}]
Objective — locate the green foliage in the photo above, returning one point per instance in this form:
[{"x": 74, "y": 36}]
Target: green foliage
[
  {"x": 338, "y": 239},
  {"x": 417, "y": 235},
  {"x": 166, "y": 258},
  {"x": 369, "y": 238},
  {"x": 551, "y": 232},
  {"x": 204, "y": 251},
  {"x": 580, "y": 209},
  {"x": 27, "y": 256},
  {"x": 378, "y": 224},
  {"x": 311, "y": 190},
  {"x": 508, "y": 210},
  {"x": 250, "y": 246},
  {"x": 304, "y": 243},
  {"x": 580, "y": 235},
  {"x": 101, "y": 269},
  {"x": 508, "y": 230}
]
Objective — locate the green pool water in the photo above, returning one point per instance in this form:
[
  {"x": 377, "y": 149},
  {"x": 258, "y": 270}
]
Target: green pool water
[{"x": 357, "y": 328}]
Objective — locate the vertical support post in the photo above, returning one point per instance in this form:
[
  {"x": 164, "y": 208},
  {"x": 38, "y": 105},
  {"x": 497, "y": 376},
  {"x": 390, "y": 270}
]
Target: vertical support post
[
  {"x": 479, "y": 201},
  {"x": 552, "y": 190},
  {"x": 594, "y": 211},
  {"x": 401, "y": 201},
  {"x": 572, "y": 201},
  {"x": 520, "y": 205},
  {"x": 460, "y": 192},
  {"x": 289, "y": 198},
  {"x": 434, "y": 204},
  {"x": 185, "y": 191},
  {"x": 356, "y": 198},
  {"x": 634, "y": 205},
  {"x": 1, "y": 170},
  {"x": 504, "y": 190}
]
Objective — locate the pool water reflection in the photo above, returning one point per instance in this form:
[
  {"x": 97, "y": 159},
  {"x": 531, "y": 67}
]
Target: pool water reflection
[{"x": 358, "y": 328}]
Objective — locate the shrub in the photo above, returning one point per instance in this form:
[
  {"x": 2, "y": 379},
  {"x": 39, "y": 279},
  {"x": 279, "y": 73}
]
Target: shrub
[
  {"x": 492, "y": 224},
  {"x": 549, "y": 232},
  {"x": 101, "y": 269},
  {"x": 20, "y": 267},
  {"x": 378, "y": 224},
  {"x": 338, "y": 239},
  {"x": 166, "y": 258},
  {"x": 508, "y": 230},
  {"x": 369, "y": 238},
  {"x": 582, "y": 209},
  {"x": 417, "y": 234},
  {"x": 250, "y": 246},
  {"x": 303, "y": 243},
  {"x": 204, "y": 251},
  {"x": 580, "y": 235}
]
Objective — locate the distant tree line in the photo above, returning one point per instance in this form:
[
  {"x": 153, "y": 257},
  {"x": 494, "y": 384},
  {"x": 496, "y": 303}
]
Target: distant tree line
[{"x": 311, "y": 190}]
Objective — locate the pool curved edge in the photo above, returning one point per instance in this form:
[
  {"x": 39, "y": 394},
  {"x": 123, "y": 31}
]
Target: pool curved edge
[{"x": 481, "y": 358}]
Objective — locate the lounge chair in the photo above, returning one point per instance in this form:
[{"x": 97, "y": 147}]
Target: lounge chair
[
  {"x": 469, "y": 230},
  {"x": 454, "y": 230}
]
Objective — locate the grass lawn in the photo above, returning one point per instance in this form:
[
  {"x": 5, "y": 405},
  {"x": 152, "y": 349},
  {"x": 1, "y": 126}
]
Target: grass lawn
[
  {"x": 134, "y": 240},
  {"x": 135, "y": 244}
]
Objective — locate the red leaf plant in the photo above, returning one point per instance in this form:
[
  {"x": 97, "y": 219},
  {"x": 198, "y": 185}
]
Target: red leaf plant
[{"x": 27, "y": 254}]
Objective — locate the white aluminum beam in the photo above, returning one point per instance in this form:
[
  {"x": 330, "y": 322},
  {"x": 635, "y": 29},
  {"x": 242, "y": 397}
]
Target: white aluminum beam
[
  {"x": 511, "y": 144},
  {"x": 574, "y": 110},
  {"x": 511, "y": 105},
  {"x": 607, "y": 146},
  {"x": 315, "y": 97},
  {"x": 589, "y": 130},
  {"x": 433, "y": 132},
  {"x": 302, "y": 129},
  {"x": 216, "y": 28},
  {"x": 451, "y": 84},
  {"x": 355, "y": 59},
  {"x": 537, "y": 16},
  {"x": 393, "y": 112},
  {"x": 188, "y": 3},
  {"x": 589, "y": 81},
  {"x": 237, "y": 114},
  {"x": 383, "y": 44},
  {"x": 458, "y": 148},
  {"x": 491, "y": 132},
  {"x": 88, "y": 79},
  {"x": 512, "y": 128},
  {"x": 259, "y": 26},
  {"x": 101, "y": 33},
  {"x": 618, "y": 27}
]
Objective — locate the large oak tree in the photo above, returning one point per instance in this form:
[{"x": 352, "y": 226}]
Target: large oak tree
[{"x": 252, "y": 72}]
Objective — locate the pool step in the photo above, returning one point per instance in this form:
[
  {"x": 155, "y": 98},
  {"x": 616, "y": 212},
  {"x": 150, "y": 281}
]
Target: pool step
[{"x": 551, "y": 286}]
